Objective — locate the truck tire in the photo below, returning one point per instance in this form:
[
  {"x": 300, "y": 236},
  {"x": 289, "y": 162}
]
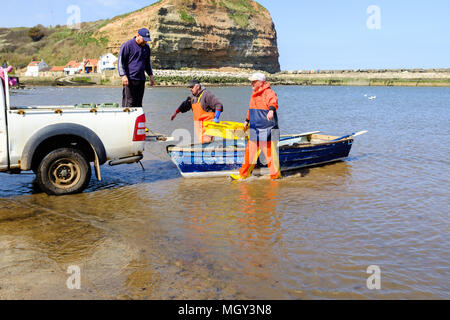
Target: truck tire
[{"x": 64, "y": 171}]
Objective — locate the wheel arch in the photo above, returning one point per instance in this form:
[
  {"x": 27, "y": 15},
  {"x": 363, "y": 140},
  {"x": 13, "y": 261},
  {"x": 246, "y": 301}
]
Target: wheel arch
[{"x": 62, "y": 135}]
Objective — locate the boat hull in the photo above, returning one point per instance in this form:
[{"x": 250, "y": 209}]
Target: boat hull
[{"x": 209, "y": 160}]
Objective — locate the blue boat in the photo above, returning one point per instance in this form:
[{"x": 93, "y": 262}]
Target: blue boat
[{"x": 225, "y": 157}]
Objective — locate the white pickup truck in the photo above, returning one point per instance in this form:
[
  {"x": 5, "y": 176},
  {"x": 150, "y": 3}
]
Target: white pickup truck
[{"x": 58, "y": 143}]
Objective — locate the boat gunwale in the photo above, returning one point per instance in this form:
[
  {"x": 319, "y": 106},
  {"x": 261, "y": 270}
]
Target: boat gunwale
[{"x": 234, "y": 148}]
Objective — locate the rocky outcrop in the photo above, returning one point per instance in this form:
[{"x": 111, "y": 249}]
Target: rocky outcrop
[{"x": 202, "y": 34}]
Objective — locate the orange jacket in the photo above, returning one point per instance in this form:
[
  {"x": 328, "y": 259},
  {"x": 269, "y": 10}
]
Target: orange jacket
[{"x": 264, "y": 99}]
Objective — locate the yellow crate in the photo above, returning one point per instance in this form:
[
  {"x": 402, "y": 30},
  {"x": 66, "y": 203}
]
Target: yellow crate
[{"x": 226, "y": 129}]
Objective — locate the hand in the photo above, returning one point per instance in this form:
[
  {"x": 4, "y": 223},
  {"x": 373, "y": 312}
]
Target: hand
[
  {"x": 173, "y": 116},
  {"x": 270, "y": 115},
  {"x": 246, "y": 125},
  {"x": 217, "y": 116},
  {"x": 152, "y": 81},
  {"x": 125, "y": 81}
]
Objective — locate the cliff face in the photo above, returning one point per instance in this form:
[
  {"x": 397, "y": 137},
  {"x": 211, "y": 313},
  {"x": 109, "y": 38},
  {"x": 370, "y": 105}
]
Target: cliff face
[{"x": 202, "y": 34}]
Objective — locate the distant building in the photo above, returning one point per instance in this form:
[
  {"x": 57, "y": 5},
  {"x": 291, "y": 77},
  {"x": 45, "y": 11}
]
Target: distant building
[
  {"x": 57, "y": 71},
  {"x": 90, "y": 66},
  {"x": 35, "y": 67},
  {"x": 73, "y": 67},
  {"x": 107, "y": 62}
]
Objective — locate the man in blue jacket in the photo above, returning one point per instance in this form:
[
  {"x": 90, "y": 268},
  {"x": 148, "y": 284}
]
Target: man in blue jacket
[{"x": 134, "y": 62}]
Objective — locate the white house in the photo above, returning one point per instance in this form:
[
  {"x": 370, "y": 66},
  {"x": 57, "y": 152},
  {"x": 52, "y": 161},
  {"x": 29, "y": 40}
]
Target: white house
[
  {"x": 106, "y": 62},
  {"x": 35, "y": 67},
  {"x": 73, "y": 67}
]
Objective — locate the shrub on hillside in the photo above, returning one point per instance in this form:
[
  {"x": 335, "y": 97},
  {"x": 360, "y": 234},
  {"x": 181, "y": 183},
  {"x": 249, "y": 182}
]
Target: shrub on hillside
[{"x": 36, "y": 33}]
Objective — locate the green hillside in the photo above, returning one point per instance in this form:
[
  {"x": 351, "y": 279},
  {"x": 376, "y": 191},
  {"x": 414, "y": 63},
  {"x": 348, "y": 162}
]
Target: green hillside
[{"x": 56, "y": 45}]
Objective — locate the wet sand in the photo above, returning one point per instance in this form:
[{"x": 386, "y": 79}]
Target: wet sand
[{"x": 154, "y": 235}]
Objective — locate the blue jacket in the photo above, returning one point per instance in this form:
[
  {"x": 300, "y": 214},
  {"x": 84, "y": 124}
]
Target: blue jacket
[{"x": 134, "y": 60}]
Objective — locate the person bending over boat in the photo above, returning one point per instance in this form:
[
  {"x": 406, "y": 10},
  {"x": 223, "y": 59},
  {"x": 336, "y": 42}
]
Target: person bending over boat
[
  {"x": 205, "y": 106},
  {"x": 264, "y": 132}
]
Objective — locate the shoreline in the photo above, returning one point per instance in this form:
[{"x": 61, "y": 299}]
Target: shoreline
[
  {"x": 304, "y": 83},
  {"x": 179, "y": 78}
]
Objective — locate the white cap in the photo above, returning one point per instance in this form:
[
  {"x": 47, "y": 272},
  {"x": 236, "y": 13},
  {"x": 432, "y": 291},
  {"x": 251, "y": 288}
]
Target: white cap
[{"x": 257, "y": 77}]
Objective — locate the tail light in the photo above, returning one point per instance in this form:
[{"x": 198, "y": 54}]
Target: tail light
[{"x": 139, "y": 128}]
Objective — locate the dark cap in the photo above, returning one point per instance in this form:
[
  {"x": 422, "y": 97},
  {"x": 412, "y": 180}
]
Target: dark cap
[
  {"x": 193, "y": 82},
  {"x": 144, "y": 33}
]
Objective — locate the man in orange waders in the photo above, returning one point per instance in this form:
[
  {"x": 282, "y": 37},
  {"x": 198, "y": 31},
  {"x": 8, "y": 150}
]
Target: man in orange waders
[
  {"x": 205, "y": 106},
  {"x": 264, "y": 131}
]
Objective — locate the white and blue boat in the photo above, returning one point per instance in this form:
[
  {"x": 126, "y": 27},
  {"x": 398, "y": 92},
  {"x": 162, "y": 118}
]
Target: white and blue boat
[{"x": 225, "y": 157}]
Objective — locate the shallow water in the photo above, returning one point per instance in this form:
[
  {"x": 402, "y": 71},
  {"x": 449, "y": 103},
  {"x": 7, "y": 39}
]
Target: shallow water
[{"x": 312, "y": 235}]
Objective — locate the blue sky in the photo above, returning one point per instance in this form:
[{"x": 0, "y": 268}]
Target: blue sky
[{"x": 321, "y": 34}]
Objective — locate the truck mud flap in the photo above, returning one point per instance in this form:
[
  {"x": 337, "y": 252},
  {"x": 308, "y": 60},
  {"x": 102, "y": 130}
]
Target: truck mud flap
[{"x": 98, "y": 173}]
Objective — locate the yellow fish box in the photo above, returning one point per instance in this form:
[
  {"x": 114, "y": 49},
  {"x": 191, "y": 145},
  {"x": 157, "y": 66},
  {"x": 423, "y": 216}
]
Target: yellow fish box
[{"x": 226, "y": 130}]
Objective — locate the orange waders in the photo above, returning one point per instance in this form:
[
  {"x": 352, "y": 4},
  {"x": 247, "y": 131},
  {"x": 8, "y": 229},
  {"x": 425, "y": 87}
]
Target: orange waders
[
  {"x": 201, "y": 115},
  {"x": 252, "y": 153}
]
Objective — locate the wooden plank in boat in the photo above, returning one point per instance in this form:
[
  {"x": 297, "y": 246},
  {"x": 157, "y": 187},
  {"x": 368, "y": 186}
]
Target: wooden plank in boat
[
  {"x": 296, "y": 138},
  {"x": 300, "y": 134}
]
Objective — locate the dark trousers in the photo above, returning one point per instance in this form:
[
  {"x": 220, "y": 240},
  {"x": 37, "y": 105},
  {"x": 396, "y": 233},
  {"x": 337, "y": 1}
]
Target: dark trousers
[{"x": 133, "y": 94}]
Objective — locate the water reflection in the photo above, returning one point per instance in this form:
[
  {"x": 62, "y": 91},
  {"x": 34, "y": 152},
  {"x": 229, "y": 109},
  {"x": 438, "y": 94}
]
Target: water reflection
[
  {"x": 234, "y": 234},
  {"x": 258, "y": 229}
]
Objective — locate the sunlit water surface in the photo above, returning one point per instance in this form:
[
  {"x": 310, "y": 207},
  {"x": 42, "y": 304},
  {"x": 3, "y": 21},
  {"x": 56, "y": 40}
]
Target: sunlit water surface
[{"x": 154, "y": 235}]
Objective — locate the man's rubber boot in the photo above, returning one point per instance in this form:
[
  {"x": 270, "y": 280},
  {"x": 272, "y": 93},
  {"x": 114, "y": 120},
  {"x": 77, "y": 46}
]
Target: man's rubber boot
[{"x": 237, "y": 177}]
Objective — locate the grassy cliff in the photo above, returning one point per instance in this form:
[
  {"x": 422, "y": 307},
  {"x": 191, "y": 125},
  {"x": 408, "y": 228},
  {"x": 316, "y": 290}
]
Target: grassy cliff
[{"x": 57, "y": 45}]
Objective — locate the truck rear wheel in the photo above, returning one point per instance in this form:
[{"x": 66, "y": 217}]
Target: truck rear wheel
[{"x": 64, "y": 171}]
